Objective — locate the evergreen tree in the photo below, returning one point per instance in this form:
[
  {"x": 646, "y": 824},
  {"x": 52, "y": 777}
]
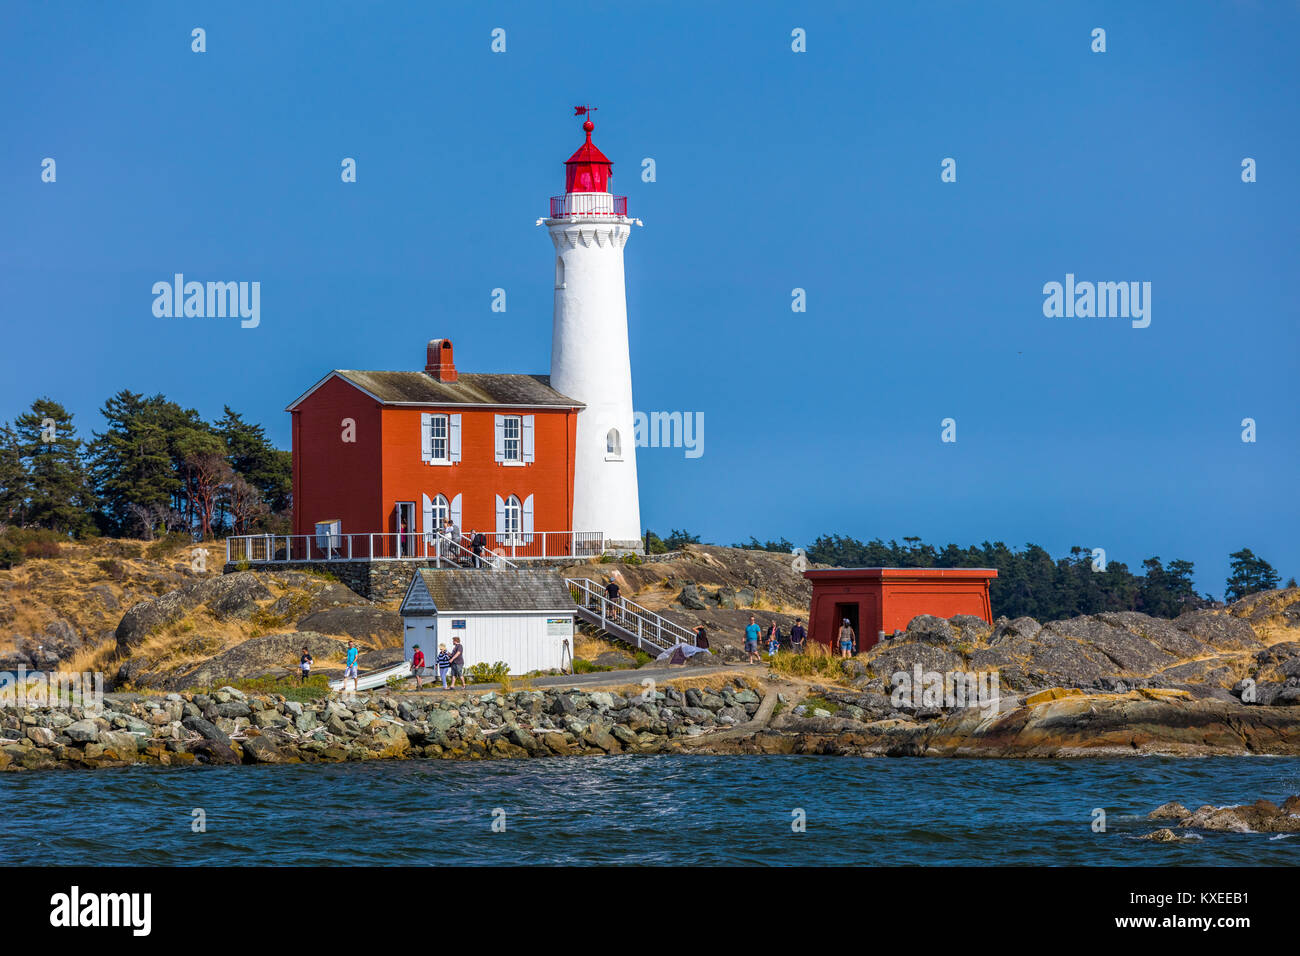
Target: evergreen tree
[
  {"x": 13, "y": 480},
  {"x": 1249, "y": 574},
  {"x": 256, "y": 460},
  {"x": 59, "y": 493},
  {"x": 131, "y": 464}
]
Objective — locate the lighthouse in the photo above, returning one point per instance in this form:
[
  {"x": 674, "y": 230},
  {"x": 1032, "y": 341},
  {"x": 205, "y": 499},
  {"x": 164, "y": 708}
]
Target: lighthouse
[{"x": 589, "y": 227}]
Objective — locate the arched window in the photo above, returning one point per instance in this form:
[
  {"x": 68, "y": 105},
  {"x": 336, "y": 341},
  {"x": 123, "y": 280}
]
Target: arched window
[
  {"x": 559, "y": 272},
  {"x": 613, "y": 444},
  {"x": 440, "y": 513},
  {"x": 514, "y": 518}
]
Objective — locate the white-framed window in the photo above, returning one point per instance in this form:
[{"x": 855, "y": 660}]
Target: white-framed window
[
  {"x": 513, "y": 438},
  {"x": 439, "y": 438},
  {"x": 439, "y": 513},
  {"x": 613, "y": 445},
  {"x": 514, "y": 520},
  {"x": 513, "y": 525}
]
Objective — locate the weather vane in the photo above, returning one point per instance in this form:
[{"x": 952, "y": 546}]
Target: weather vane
[{"x": 584, "y": 111}]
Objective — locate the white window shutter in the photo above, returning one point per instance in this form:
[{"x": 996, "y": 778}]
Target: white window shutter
[
  {"x": 501, "y": 439},
  {"x": 501, "y": 516},
  {"x": 426, "y": 436},
  {"x": 453, "y": 440},
  {"x": 528, "y": 437},
  {"x": 455, "y": 514},
  {"x": 427, "y": 526},
  {"x": 528, "y": 519}
]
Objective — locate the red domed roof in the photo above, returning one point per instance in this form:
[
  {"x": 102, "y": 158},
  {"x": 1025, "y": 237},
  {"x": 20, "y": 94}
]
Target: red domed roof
[{"x": 587, "y": 170}]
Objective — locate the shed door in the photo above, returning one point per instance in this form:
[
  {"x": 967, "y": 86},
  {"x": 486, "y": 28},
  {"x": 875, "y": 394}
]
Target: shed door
[{"x": 422, "y": 631}]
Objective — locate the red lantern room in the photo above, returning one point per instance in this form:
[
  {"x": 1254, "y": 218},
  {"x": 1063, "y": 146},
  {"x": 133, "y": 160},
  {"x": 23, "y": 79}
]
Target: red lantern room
[{"x": 587, "y": 170}]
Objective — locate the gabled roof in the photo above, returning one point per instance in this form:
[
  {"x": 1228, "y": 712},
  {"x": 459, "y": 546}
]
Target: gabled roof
[
  {"x": 470, "y": 388},
  {"x": 434, "y": 590}
]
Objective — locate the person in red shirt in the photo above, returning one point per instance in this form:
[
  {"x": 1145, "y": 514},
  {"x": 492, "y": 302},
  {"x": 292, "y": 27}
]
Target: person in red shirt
[{"x": 417, "y": 665}]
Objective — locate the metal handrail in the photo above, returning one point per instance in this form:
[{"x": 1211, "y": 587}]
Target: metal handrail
[
  {"x": 588, "y": 204},
  {"x": 502, "y": 550},
  {"x": 650, "y": 626}
]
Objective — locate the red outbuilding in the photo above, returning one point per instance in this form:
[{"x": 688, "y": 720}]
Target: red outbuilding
[{"x": 886, "y": 599}]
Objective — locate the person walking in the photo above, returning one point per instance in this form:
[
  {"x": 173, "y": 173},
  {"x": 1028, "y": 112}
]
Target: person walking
[
  {"x": 701, "y": 637},
  {"x": 848, "y": 640},
  {"x": 773, "y": 640},
  {"x": 477, "y": 542},
  {"x": 611, "y": 596},
  {"x": 452, "y": 535},
  {"x": 417, "y": 665},
  {"x": 457, "y": 661},
  {"x": 798, "y": 636},
  {"x": 304, "y": 665},
  {"x": 444, "y": 664},
  {"x": 350, "y": 667},
  {"x": 752, "y": 634}
]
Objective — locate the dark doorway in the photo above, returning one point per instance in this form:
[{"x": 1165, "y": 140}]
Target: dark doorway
[{"x": 841, "y": 612}]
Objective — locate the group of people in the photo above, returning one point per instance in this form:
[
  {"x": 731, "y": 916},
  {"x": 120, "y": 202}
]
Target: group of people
[
  {"x": 448, "y": 544},
  {"x": 448, "y": 663},
  {"x": 795, "y": 640}
]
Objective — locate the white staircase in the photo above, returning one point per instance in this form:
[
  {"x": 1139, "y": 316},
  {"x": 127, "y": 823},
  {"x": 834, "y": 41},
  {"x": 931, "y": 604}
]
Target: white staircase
[{"x": 626, "y": 620}]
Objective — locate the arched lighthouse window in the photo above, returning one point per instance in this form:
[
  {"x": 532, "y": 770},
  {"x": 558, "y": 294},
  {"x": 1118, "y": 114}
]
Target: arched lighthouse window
[
  {"x": 613, "y": 444},
  {"x": 559, "y": 272}
]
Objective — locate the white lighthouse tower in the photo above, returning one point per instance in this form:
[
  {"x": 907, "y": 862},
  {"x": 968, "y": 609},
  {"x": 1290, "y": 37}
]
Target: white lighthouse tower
[{"x": 589, "y": 353}]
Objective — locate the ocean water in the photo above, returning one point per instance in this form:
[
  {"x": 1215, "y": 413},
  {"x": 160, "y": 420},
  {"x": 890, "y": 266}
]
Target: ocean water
[{"x": 669, "y": 810}]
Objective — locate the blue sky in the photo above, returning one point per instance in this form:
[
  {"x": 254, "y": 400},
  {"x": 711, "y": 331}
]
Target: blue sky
[{"x": 775, "y": 170}]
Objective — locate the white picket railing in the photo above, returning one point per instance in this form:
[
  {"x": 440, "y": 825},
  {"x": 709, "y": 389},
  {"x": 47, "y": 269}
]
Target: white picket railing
[
  {"x": 627, "y": 619},
  {"x": 500, "y": 550}
]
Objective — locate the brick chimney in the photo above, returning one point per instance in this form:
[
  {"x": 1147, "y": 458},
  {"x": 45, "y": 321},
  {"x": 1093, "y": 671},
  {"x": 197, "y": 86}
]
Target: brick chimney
[{"x": 440, "y": 364}]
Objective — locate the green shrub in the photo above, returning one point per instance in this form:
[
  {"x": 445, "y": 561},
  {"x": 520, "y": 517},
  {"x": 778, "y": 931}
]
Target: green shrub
[
  {"x": 583, "y": 666},
  {"x": 484, "y": 673},
  {"x": 630, "y": 558}
]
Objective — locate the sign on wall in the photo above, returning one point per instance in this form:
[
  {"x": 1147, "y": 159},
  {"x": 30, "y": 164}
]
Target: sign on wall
[{"x": 559, "y": 627}]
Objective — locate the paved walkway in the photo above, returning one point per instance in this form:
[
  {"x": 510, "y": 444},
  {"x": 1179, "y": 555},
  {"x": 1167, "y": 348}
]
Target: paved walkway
[{"x": 603, "y": 678}]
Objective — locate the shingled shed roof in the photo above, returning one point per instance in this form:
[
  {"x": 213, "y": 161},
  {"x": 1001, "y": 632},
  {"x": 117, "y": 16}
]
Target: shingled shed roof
[
  {"x": 470, "y": 388},
  {"x": 433, "y": 590}
]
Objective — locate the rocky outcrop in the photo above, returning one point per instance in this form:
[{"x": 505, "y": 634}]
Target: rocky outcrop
[
  {"x": 230, "y": 595},
  {"x": 258, "y": 657},
  {"x": 1110, "y": 652},
  {"x": 1262, "y": 816},
  {"x": 228, "y": 726}
]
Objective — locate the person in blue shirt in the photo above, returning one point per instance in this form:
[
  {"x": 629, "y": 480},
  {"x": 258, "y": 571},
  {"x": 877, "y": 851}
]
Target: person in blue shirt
[
  {"x": 773, "y": 640},
  {"x": 350, "y": 667},
  {"x": 752, "y": 634}
]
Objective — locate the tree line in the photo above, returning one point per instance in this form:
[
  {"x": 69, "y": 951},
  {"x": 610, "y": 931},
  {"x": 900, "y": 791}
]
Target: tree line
[
  {"x": 156, "y": 468},
  {"x": 1031, "y": 583}
]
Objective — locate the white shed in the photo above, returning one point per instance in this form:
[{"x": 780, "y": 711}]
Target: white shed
[{"x": 524, "y": 618}]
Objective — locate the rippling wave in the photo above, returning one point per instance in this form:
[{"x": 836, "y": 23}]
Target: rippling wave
[{"x": 652, "y": 810}]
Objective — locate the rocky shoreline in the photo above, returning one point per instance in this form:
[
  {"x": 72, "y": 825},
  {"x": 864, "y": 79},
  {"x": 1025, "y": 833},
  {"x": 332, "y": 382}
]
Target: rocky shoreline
[{"x": 228, "y": 726}]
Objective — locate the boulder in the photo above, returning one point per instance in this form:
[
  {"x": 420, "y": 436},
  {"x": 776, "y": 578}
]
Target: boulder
[
  {"x": 258, "y": 657},
  {"x": 205, "y": 729},
  {"x": 381, "y": 624},
  {"x": 84, "y": 731}
]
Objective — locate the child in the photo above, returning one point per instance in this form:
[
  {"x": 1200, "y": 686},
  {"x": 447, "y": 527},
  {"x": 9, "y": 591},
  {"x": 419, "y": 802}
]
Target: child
[
  {"x": 417, "y": 665},
  {"x": 444, "y": 664},
  {"x": 304, "y": 665},
  {"x": 773, "y": 640}
]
